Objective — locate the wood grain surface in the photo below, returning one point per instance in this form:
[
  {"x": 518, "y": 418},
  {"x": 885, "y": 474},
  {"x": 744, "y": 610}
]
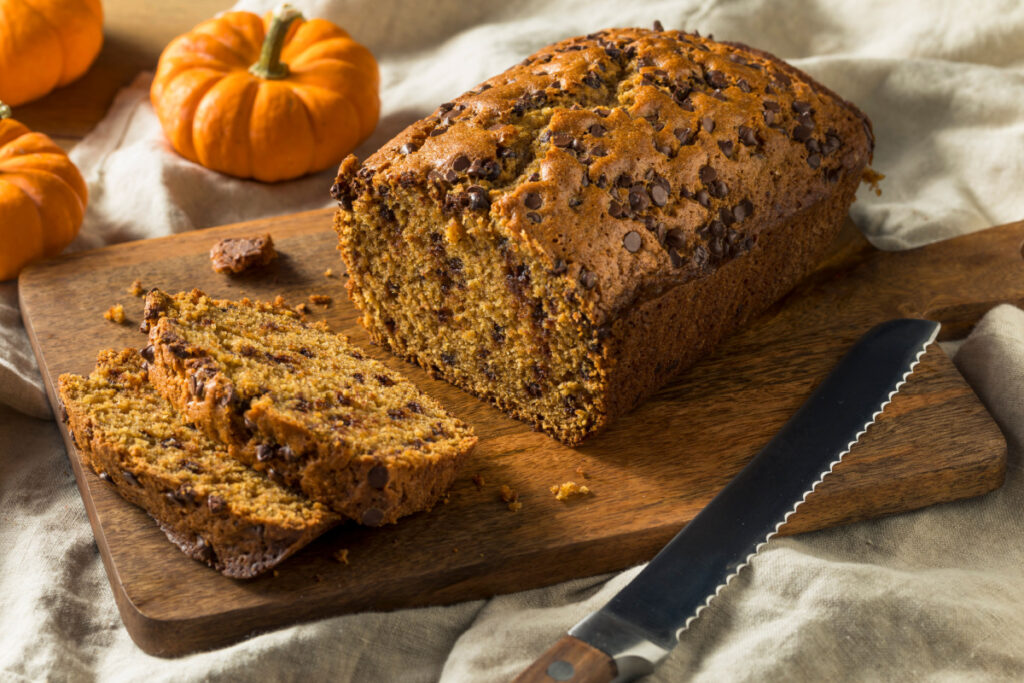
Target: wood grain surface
[{"x": 650, "y": 473}]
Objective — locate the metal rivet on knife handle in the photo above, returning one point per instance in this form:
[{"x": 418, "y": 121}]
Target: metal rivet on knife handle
[{"x": 570, "y": 659}]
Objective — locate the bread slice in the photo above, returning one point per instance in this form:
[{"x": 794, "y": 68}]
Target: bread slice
[
  {"x": 215, "y": 509},
  {"x": 300, "y": 402}
]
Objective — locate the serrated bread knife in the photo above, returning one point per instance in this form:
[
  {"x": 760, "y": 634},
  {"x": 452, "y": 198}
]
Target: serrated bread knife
[{"x": 629, "y": 636}]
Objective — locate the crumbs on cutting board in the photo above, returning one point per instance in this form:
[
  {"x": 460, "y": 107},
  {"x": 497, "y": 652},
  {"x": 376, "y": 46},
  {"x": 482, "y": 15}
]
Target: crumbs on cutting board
[
  {"x": 135, "y": 288},
  {"x": 115, "y": 314},
  {"x": 567, "y": 489},
  {"x": 320, "y": 299},
  {"x": 341, "y": 555},
  {"x": 329, "y": 272},
  {"x": 478, "y": 481},
  {"x": 511, "y": 497}
]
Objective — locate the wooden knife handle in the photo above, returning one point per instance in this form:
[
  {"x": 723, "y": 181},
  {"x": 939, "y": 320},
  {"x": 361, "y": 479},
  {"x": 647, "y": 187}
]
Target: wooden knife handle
[{"x": 572, "y": 660}]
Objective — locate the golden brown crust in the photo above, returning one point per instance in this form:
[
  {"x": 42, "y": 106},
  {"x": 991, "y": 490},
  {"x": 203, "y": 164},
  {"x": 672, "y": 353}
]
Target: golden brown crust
[
  {"x": 301, "y": 403},
  {"x": 634, "y": 169},
  {"x": 197, "y": 497}
]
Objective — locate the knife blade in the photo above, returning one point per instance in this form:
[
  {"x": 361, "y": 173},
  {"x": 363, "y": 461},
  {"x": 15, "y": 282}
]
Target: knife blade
[{"x": 640, "y": 625}]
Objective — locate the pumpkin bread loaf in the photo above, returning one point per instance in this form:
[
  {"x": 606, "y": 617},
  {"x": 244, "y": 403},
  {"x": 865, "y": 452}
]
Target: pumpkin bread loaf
[
  {"x": 299, "y": 402},
  {"x": 215, "y": 509},
  {"x": 566, "y": 237}
]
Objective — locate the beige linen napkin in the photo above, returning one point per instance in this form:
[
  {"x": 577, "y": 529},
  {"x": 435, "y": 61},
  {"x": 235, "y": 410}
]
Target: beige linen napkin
[{"x": 937, "y": 594}]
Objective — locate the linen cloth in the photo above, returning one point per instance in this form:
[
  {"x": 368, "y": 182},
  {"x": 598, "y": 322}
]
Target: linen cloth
[{"x": 936, "y": 594}]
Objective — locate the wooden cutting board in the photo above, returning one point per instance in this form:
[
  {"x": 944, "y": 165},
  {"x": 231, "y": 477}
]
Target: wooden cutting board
[{"x": 650, "y": 473}]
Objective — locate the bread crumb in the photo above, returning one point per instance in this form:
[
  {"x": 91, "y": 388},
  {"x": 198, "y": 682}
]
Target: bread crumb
[
  {"x": 872, "y": 178},
  {"x": 276, "y": 573},
  {"x": 569, "y": 488},
  {"x": 302, "y": 309},
  {"x": 341, "y": 555},
  {"x": 135, "y": 289},
  {"x": 115, "y": 314},
  {"x": 478, "y": 481},
  {"x": 238, "y": 254},
  {"x": 511, "y": 496},
  {"x": 320, "y": 299},
  {"x": 580, "y": 473},
  {"x": 329, "y": 272},
  {"x": 455, "y": 550},
  {"x": 279, "y": 301}
]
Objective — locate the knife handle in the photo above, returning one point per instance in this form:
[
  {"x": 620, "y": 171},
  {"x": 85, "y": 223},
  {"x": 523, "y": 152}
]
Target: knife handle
[{"x": 570, "y": 659}]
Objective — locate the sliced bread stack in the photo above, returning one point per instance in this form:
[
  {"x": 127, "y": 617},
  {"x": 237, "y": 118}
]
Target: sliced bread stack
[{"x": 245, "y": 431}]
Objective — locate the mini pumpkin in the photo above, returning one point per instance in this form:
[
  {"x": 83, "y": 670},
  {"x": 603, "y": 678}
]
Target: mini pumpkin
[
  {"x": 44, "y": 45},
  {"x": 42, "y": 196},
  {"x": 271, "y": 99}
]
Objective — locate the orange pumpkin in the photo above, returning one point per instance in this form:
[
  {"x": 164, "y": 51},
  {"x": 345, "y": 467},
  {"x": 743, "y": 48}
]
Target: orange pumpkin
[
  {"x": 46, "y": 44},
  {"x": 270, "y": 99},
  {"x": 42, "y": 196}
]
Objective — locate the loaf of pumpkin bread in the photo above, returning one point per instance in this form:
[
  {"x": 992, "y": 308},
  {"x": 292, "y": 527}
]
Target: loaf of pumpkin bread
[
  {"x": 569, "y": 235},
  {"x": 215, "y": 509},
  {"x": 299, "y": 402}
]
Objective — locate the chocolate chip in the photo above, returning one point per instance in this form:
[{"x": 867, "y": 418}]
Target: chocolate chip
[
  {"x": 384, "y": 380},
  {"x": 769, "y": 117},
  {"x": 718, "y": 189},
  {"x": 832, "y": 143},
  {"x": 592, "y": 80},
  {"x": 725, "y": 215},
  {"x": 587, "y": 279},
  {"x": 450, "y": 176},
  {"x": 597, "y": 130},
  {"x": 658, "y": 27},
  {"x": 215, "y": 503},
  {"x": 414, "y": 407},
  {"x": 461, "y": 163},
  {"x": 675, "y": 239},
  {"x": 708, "y": 124},
  {"x": 373, "y": 517},
  {"x": 659, "y": 195},
  {"x": 639, "y": 199},
  {"x": 171, "y": 442},
  {"x": 398, "y": 413},
  {"x": 106, "y": 477},
  {"x": 559, "y": 267},
  {"x": 743, "y": 85},
  {"x": 286, "y": 452},
  {"x": 532, "y": 200},
  {"x": 130, "y": 478},
  {"x": 196, "y": 386},
  {"x": 147, "y": 353},
  {"x": 707, "y": 174},
  {"x": 801, "y": 107},
  {"x": 561, "y": 139},
  {"x": 743, "y": 209},
  {"x": 802, "y": 133},
  {"x": 676, "y": 259},
  {"x": 478, "y": 198},
  {"x": 602, "y": 112},
  {"x": 747, "y": 136},
  {"x": 716, "y": 79},
  {"x": 813, "y": 160},
  {"x": 685, "y": 135},
  {"x": 534, "y": 216},
  {"x": 771, "y": 105},
  {"x": 534, "y": 389},
  {"x": 616, "y": 210},
  {"x": 437, "y": 131},
  {"x": 264, "y": 452},
  {"x": 407, "y": 148},
  {"x": 726, "y": 146},
  {"x": 575, "y": 201},
  {"x": 832, "y": 175},
  {"x": 703, "y": 198},
  {"x": 448, "y": 358},
  {"x": 632, "y": 241}
]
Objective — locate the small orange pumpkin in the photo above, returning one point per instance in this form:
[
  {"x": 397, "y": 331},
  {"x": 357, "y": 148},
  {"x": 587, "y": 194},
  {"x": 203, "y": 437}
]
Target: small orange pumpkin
[
  {"x": 270, "y": 99},
  {"x": 42, "y": 196},
  {"x": 44, "y": 45}
]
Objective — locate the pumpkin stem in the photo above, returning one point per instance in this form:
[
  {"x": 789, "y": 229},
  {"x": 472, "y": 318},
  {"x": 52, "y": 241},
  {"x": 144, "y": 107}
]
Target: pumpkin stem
[
  {"x": 5, "y": 111},
  {"x": 270, "y": 65}
]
